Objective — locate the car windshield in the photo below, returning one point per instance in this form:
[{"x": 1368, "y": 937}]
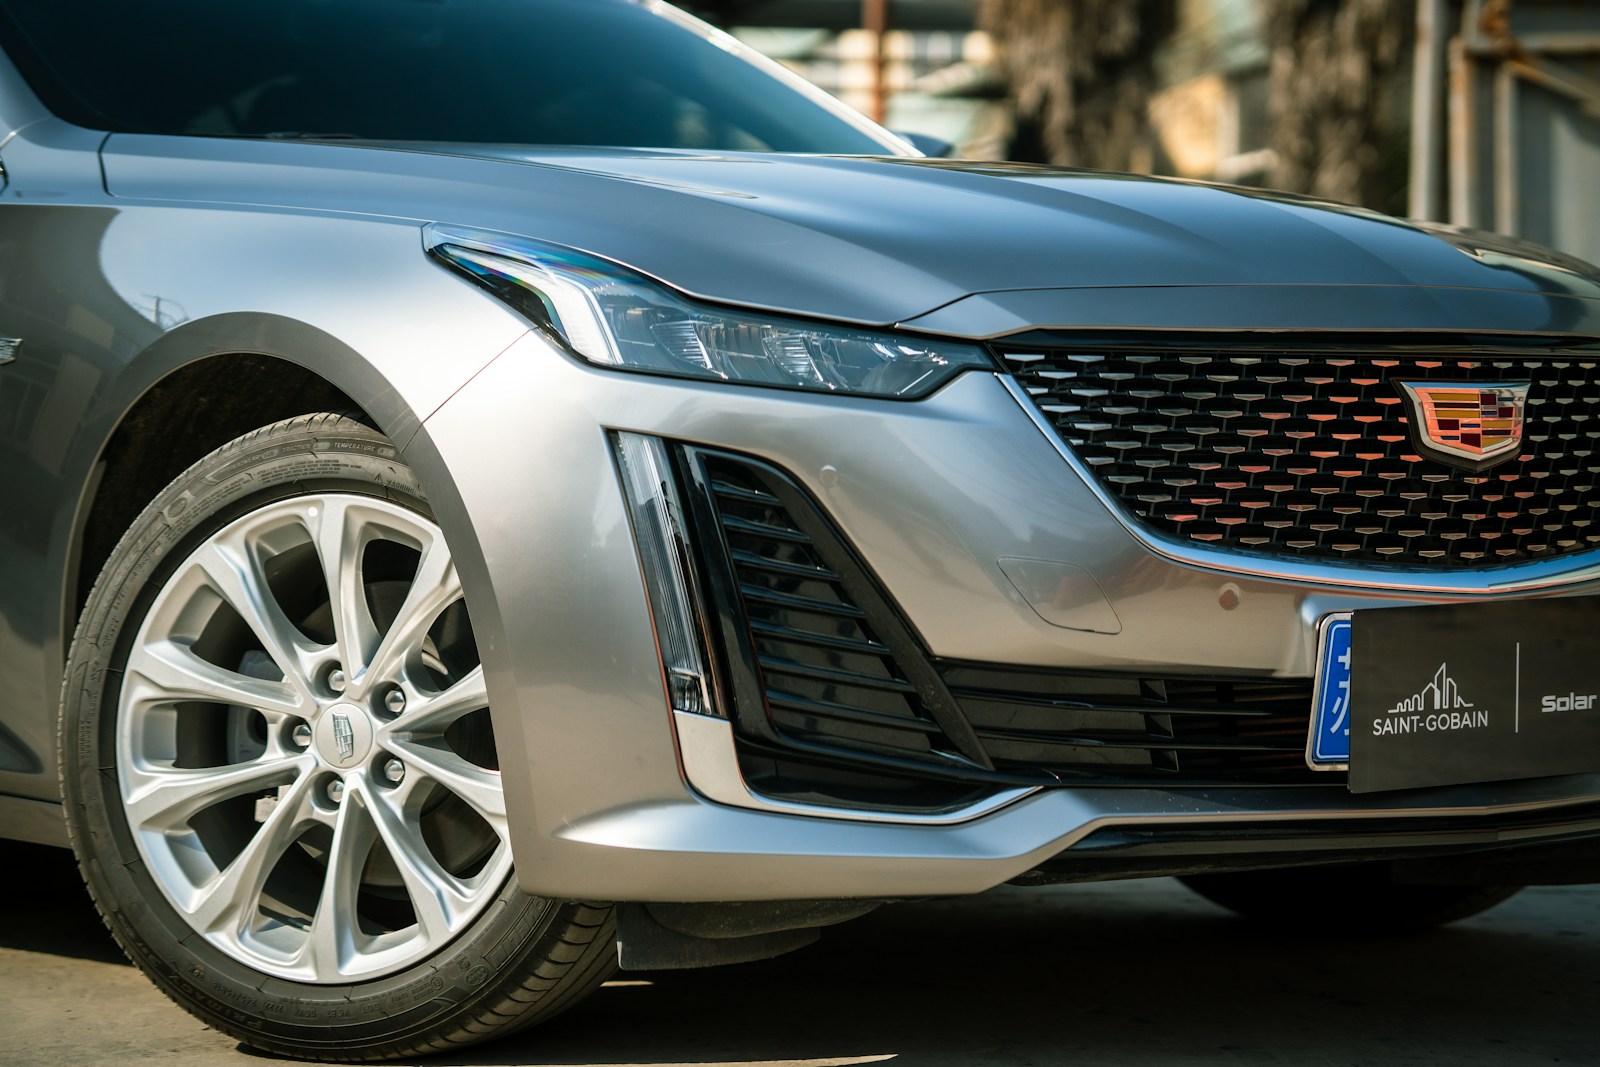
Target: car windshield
[{"x": 551, "y": 72}]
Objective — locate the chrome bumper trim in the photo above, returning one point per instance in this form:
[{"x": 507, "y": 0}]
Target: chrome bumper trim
[{"x": 711, "y": 767}]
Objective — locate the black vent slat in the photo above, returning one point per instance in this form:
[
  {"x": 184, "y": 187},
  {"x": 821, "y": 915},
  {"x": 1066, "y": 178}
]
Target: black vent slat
[
  {"x": 1035, "y": 700},
  {"x": 1147, "y": 743},
  {"x": 821, "y": 708},
  {"x": 1129, "y": 728},
  {"x": 776, "y": 632},
  {"x": 735, "y": 525},
  {"x": 744, "y": 494},
  {"x": 800, "y": 603},
  {"x": 1309, "y": 452},
  {"x": 742, "y": 558},
  {"x": 778, "y": 665}
]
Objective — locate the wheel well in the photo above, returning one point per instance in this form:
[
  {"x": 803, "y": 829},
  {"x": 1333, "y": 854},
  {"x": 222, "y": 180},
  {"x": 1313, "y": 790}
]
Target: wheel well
[{"x": 192, "y": 411}]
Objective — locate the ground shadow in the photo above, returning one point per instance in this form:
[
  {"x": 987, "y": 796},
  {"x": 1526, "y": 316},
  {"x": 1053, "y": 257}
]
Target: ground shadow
[
  {"x": 1122, "y": 973},
  {"x": 1136, "y": 973},
  {"x": 46, "y": 907}
]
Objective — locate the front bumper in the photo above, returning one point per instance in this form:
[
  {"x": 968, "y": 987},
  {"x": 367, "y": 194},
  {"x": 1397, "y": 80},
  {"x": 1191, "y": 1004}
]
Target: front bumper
[{"x": 933, "y": 495}]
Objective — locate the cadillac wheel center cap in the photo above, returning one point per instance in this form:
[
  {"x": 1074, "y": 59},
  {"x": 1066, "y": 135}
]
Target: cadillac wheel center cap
[{"x": 343, "y": 735}]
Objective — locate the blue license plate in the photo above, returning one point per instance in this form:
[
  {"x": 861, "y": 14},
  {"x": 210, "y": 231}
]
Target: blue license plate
[{"x": 1328, "y": 747}]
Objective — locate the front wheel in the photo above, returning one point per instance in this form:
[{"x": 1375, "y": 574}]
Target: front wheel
[
  {"x": 1358, "y": 898},
  {"x": 280, "y": 769}
]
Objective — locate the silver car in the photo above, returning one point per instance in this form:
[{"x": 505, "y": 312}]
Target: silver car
[{"x": 495, "y": 489}]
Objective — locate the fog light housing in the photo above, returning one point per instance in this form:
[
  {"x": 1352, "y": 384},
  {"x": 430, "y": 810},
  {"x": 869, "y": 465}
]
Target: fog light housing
[{"x": 655, "y": 512}]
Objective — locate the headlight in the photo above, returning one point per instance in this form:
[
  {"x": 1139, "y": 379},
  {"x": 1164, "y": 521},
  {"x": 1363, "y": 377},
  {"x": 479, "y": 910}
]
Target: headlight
[{"x": 615, "y": 317}]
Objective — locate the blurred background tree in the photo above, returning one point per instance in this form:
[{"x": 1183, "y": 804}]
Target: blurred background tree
[
  {"x": 1340, "y": 98},
  {"x": 1081, "y": 74},
  {"x": 1085, "y": 76}
]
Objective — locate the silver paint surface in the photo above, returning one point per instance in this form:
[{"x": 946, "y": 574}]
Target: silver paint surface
[
  {"x": 929, "y": 233},
  {"x": 125, "y": 258}
]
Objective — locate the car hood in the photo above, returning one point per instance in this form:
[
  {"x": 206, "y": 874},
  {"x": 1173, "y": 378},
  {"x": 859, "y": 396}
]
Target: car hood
[{"x": 891, "y": 240}]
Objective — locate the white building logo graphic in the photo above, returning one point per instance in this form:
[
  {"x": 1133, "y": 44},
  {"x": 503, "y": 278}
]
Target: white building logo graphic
[
  {"x": 1440, "y": 694},
  {"x": 1437, "y": 708}
]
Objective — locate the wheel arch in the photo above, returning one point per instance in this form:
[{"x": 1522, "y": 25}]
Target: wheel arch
[{"x": 191, "y": 391}]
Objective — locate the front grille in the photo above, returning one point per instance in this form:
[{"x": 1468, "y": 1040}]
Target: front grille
[
  {"x": 1308, "y": 452},
  {"x": 824, "y": 669}
]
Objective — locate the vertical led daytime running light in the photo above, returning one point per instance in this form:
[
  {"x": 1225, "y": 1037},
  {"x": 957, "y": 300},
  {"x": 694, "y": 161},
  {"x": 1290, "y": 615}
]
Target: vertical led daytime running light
[{"x": 659, "y": 532}]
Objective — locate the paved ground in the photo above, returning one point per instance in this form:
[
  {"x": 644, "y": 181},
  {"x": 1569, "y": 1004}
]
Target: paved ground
[{"x": 1133, "y": 974}]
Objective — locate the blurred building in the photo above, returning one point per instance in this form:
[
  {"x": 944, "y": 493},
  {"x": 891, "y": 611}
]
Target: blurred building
[
  {"x": 1506, "y": 119},
  {"x": 918, "y": 66},
  {"x": 1210, "y": 113}
]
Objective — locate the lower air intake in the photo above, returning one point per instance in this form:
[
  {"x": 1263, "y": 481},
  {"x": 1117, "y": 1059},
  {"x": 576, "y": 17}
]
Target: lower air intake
[{"x": 832, "y": 688}]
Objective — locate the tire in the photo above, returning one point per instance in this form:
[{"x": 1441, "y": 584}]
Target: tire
[
  {"x": 1354, "y": 899},
  {"x": 279, "y": 769}
]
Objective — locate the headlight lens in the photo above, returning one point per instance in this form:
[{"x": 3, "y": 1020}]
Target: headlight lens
[{"x": 614, "y": 317}]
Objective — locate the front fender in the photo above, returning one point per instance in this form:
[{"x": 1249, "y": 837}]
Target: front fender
[{"x": 114, "y": 298}]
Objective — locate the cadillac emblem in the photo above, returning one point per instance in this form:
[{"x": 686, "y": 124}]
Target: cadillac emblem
[
  {"x": 343, "y": 736},
  {"x": 1471, "y": 425}
]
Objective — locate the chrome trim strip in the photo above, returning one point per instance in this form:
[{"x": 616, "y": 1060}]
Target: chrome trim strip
[
  {"x": 711, "y": 767},
  {"x": 1513, "y": 578}
]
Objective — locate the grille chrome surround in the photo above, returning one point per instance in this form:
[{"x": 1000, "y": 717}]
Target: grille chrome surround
[{"x": 1306, "y": 453}]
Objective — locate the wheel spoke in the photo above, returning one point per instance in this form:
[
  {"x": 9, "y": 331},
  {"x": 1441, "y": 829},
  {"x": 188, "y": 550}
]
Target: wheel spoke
[
  {"x": 231, "y": 897},
  {"x": 480, "y": 788},
  {"x": 340, "y": 547},
  {"x": 167, "y": 798},
  {"x": 435, "y": 588},
  {"x": 439, "y": 899},
  {"x": 331, "y": 942},
  {"x": 177, "y": 674},
  {"x": 432, "y": 715},
  {"x": 231, "y": 570}
]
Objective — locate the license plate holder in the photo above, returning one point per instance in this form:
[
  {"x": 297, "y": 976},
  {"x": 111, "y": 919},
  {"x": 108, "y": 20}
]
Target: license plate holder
[{"x": 1455, "y": 694}]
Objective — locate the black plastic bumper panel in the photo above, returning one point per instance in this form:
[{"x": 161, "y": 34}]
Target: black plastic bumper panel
[{"x": 834, "y": 695}]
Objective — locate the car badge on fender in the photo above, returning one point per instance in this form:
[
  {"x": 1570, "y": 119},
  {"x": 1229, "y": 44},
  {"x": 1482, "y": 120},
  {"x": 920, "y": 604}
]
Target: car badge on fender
[
  {"x": 8, "y": 348},
  {"x": 1470, "y": 425}
]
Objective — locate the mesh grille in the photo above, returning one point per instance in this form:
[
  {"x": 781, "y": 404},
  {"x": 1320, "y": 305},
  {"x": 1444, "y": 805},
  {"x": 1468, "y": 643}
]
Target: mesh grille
[{"x": 1310, "y": 453}]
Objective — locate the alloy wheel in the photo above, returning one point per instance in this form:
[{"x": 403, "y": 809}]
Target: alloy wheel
[{"x": 304, "y": 750}]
